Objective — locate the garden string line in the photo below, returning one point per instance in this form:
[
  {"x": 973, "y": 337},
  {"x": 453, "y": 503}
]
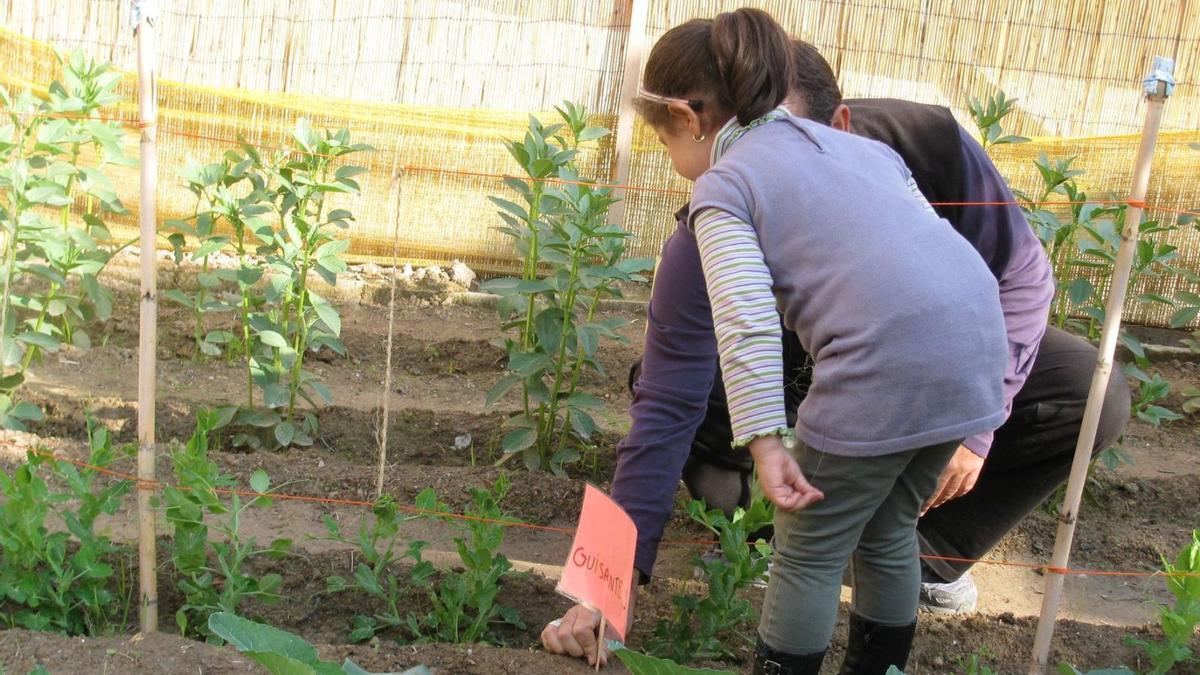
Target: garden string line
[
  {"x": 562, "y": 181},
  {"x": 159, "y": 485}
]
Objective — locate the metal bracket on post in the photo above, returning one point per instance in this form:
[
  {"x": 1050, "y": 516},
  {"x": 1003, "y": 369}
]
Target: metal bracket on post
[
  {"x": 143, "y": 9},
  {"x": 1160, "y": 83}
]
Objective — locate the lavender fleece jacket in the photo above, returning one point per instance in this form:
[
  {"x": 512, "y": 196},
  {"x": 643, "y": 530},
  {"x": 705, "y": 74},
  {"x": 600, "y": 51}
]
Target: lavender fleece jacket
[{"x": 680, "y": 359}]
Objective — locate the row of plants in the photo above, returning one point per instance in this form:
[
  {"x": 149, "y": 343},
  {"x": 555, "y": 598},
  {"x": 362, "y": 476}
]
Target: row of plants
[
  {"x": 1081, "y": 237},
  {"x": 80, "y": 582},
  {"x": 275, "y": 215},
  {"x": 64, "y": 580}
]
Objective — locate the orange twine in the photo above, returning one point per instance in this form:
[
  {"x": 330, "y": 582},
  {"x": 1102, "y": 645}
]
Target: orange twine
[{"x": 159, "y": 485}]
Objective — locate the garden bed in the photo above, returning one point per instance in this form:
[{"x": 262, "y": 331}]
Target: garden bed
[{"x": 445, "y": 358}]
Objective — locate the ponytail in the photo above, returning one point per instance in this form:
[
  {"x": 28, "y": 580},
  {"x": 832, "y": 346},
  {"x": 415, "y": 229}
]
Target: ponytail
[
  {"x": 738, "y": 64},
  {"x": 753, "y": 61}
]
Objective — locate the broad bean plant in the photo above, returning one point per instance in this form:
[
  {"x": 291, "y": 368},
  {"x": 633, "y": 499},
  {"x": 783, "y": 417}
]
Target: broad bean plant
[
  {"x": 55, "y": 199},
  {"x": 272, "y": 215},
  {"x": 573, "y": 258}
]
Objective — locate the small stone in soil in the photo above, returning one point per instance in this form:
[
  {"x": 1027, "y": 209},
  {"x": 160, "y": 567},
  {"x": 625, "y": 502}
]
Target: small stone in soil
[{"x": 462, "y": 442}]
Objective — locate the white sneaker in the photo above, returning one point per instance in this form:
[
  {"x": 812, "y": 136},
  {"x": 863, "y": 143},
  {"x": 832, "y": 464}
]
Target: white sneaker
[{"x": 955, "y": 597}]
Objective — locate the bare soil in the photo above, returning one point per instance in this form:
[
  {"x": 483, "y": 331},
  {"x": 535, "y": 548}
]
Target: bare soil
[{"x": 444, "y": 360}]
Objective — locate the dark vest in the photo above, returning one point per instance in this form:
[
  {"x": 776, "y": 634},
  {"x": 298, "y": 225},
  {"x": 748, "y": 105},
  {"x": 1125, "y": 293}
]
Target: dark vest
[{"x": 927, "y": 137}]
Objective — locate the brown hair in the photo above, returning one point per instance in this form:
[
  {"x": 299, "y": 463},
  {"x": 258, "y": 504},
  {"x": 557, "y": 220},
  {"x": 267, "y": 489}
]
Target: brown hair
[
  {"x": 738, "y": 64},
  {"x": 814, "y": 81}
]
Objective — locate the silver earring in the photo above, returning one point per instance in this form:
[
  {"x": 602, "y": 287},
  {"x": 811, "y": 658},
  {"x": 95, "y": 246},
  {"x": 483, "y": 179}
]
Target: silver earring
[{"x": 699, "y": 138}]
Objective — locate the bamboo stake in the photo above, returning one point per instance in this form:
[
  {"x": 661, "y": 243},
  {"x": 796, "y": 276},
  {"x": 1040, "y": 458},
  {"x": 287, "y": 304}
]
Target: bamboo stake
[
  {"x": 145, "y": 16},
  {"x": 600, "y": 639},
  {"x": 628, "y": 114},
  {"x": 1158, "y": 87},
  {"x": 387, "y": 369}
]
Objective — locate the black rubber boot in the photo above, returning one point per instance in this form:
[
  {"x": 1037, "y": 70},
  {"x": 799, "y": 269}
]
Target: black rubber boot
[
  {"x": 769, "y": 661},
  {"x": 872, "y": 647}
]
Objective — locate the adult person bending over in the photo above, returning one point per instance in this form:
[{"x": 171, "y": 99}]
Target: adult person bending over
[{"x": 680, "y": 420}]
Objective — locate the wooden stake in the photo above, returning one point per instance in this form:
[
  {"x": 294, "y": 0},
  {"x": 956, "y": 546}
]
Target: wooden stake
[
  {"x": 1158, "y": 86},
  {"x": 627, "y": 113},
  {"x": 387, "y": 369},
  {"x": 145, "y": 17},
  {"x": 600, "y": 639}
]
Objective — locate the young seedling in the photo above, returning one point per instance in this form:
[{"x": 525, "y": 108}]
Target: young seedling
[
  {"x": 376, "y": 574},
  {"x": 711, "y": 627},
  {"x": 60, "y": 581},
  {"x": 464, "y": 602},
  {"x": 1178, "y": 621},
  {"x": 203, "y": 503}
]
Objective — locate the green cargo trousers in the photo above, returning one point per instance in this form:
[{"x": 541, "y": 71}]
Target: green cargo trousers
[{"x": 869, "y": 512}]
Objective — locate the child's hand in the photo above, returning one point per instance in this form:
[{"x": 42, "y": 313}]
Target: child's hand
[{"x": 780, "y": 476}]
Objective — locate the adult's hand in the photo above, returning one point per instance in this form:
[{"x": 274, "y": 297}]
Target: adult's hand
[
  {"x": 575, "y": 635},
  {"x": 782, "y": 481},
  {"x": 957, "y": 479}
]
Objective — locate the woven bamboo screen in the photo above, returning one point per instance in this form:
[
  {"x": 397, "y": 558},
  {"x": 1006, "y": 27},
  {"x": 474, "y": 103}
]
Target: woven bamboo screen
[{"x": 437, "y": 84}]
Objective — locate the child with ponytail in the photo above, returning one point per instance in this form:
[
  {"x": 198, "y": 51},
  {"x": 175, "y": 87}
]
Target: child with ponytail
[{"x": 827, "y": 230}]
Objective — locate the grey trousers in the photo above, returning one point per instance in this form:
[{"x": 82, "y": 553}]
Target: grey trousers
[{"x": 869, "y": 512}]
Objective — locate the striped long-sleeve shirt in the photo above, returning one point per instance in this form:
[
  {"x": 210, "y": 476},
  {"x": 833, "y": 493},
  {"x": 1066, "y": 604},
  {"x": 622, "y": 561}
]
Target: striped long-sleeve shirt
[{"x": 747, "y": 324}]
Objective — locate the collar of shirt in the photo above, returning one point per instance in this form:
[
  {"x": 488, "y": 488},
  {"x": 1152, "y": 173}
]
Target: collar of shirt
[{"x": 732, "y": 131}]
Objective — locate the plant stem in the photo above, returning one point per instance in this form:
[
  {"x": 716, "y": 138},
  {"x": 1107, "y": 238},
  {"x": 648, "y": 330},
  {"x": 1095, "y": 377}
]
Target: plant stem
[
  {"x": 10, "y": 262},
  {"x": 243, "y": 290},
  {"x": 529, "y": 273},
  {"x": 301, "y": 343},
  {"x": 568, "y": 307}
]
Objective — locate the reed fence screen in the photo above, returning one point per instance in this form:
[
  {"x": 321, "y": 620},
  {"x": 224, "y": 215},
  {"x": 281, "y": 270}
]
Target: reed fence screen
[{"x": 436, "y": 85}]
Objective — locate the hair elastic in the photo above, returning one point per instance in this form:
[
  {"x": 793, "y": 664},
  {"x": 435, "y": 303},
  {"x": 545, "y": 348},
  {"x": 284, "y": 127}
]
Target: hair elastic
[{"x": 693, "y": 103}]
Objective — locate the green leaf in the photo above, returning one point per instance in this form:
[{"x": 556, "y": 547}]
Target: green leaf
[
  {"x": 41, "y": 340},
  {"x": 510, "y": 207},
  {"x": 349, "y": 172},
  {"x": 329, "y": 315},
  {"x": 279, "y": 664},
  {"x": 518, "y": 440},
  {"x": 642, "y": 664},
  {"x": 332, "y": 248},
  {"x": 272, "y": 339},
  {"x": 584, "y": 401},
  {"x": 1184, "y": 317},
  {"x": 26, "y": 411},
  {"x": 284, "y": 433},
  {"x": 219, "y": 337},
  {"x": 249, "y": 636},
  {"x": 11, "y": 381},
  {"x": 592, "y": 133},
  {"x": 501, "y": 388},
  {"x": 259, "y": 481}
]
